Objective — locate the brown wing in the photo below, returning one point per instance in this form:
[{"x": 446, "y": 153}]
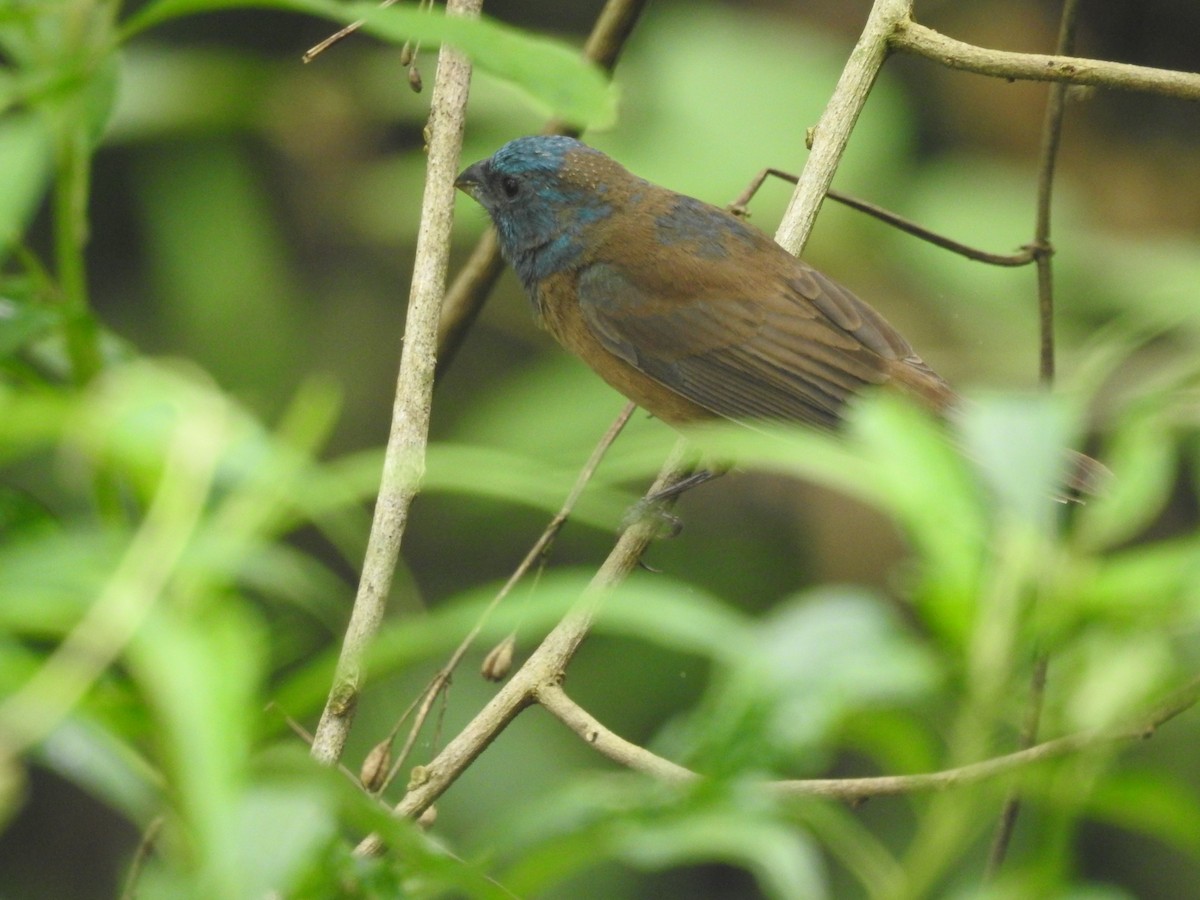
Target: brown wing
[{"x": 794, "y": 347}]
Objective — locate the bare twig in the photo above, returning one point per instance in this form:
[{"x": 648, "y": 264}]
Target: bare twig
[
  {"x": 536, "y": 552},
  {"x": 606, "y": 742},
  {"x": 1022, "y": 258},
  {"x": 478, "y": 276},
  {"x": 1043, "y": 252},
  {"x": 832, "y": 132},
  {"x": 545, "y": 666},
  {"x": 405, "y": 459},
  {"x": 301, "y": 732},
  {"x": 1028, "y": 738},
  {"x": 1042, "y": 249},
  {"x": 555, "y": 700},
  {"x": 313, "y": 52},
  {"x": 911, "y": 37}
]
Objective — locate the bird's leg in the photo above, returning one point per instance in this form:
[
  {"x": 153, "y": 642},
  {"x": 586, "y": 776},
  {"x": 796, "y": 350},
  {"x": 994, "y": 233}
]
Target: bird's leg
[
  {"x": 651, "y": 507},
  {"x": 696, "y": 479}
]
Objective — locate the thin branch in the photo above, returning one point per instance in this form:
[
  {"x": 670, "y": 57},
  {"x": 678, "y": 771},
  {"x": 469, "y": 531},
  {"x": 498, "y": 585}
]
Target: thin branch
[
  {"x": 607, "y": 742},
  {"x": 1023, "y": 258},
  {"x": 1043, "y": 252},
  {"x": 478, "y": 276},
  {"x": 911, "y": 37},
  {"x": 405, "y": 459},
  {"x": 301, "y": 732},
  {"x": 1051, "y": 139},
  {"x": 536, "y": 552},
  {"x": 616, "y": 748},
  {"x": 316, "y": 50},
  {"x": 1029, "y": 732},
  {"x": 832, "y": 132},
  {"x": 546, "y": 665}
]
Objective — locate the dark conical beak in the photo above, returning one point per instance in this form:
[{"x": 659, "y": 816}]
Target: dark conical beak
[{"x": 471, "y": 178}]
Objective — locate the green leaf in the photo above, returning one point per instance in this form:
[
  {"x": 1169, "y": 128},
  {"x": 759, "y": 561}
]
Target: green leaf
[
  {"x": 202, "y": 675},
  {"x": 818, "y": 658},
  {"x": 1143, "y": 584},
  {"x": 556, "y": 77},
  {"x": 1151, "y": 801},
  {"x": 925, "y": 484},
  {"x": 783, "y": 859},
  {"x": 24, "y": 172},
  {"x": 21, "y": 323},
  {"x": 519, "y": 478},
  {"x": 833, "y": 651},
  {"x": 93, "y": 757},
  {"x": 1143, "y": 456},
  {"x": 1018, "y": 444},
  {"x": 1111, "y": 676}
]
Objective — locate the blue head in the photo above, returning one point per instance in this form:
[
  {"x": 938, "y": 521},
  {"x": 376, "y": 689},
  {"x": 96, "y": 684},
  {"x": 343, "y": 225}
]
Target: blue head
[{"x": 542, "y": 192}]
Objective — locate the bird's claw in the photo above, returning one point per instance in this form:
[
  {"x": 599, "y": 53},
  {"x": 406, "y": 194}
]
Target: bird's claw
[{"x": 650, "y": 510}]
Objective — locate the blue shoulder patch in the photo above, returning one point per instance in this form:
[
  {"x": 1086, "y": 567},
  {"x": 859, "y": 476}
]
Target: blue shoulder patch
[{"x": 693, "y": 222}]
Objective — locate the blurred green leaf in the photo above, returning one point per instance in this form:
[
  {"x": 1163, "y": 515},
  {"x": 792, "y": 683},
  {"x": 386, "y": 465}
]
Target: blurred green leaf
[
  {"x": 783, "y": 859},
  {"x": 1151, "y": 801},
  {"x": 652, "y": 826},
  {"x": 1143, "y": 457},
  {"x": 83, "y": 751},
  {"x": 21, "y": 323},
  {"x": 554, "y": 76},
  {"x": 203, "y": 678},
  {"x": 1114, "y": 676},
  {"x": 528, "y": 480},
  {"x": 816, "y": 658},
  {"x": 1151, "y": 583},
  {"x": 833, "y": 650},
  {"x": 927, "y": 487},
  {"x": 48, "y": 580},
  {"x": 1019, "y": 444},
  {"x": 281, "y": 823},
  {"x": 25, "y": 157}
]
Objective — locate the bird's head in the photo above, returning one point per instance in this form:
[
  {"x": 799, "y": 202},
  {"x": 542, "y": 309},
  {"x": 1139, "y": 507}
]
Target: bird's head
[{"x": 542, "y": 192}]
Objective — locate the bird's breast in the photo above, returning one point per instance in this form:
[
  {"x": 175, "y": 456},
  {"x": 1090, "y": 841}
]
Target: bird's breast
[{"x": 560, "y": 314}]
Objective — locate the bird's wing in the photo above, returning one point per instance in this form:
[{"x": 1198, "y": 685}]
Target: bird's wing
[{"x": 797, "y": 354}]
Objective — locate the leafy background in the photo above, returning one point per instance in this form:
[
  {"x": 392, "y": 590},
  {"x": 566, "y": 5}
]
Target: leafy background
[{"x": 193, "y": 515}]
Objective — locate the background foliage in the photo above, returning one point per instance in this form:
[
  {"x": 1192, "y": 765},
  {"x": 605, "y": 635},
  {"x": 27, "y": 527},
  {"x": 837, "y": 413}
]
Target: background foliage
[{"x": 204, "y": 248}]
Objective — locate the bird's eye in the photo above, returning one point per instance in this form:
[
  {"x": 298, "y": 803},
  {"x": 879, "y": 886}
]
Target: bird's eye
[{"x": 511, "y": 186}]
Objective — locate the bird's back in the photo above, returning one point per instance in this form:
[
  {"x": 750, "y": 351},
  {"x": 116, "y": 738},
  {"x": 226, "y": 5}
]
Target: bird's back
[{"x": 720, "y": 315}]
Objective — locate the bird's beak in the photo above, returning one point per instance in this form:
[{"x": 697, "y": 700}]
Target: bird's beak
[{"x": 470, "y": 179}]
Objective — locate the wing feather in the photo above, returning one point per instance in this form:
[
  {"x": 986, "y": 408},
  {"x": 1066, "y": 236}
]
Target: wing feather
[{"x": 798, "y": 355}]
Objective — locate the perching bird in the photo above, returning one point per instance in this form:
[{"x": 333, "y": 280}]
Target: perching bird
[{"x": 680, "y": 305}]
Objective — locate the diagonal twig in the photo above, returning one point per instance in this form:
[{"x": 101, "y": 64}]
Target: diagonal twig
[
  {"x": 546, "y": 664},
  {"x": 536, "y": 552},
  {"x": 1022, "y": 258}
]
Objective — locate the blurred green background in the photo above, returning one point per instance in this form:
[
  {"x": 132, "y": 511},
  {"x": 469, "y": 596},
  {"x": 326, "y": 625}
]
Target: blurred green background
[{"x": 256, "y": 217}]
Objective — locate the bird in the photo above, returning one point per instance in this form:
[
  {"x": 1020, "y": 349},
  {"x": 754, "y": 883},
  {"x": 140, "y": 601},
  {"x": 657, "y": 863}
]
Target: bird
[{"x": 684, "y": 307}]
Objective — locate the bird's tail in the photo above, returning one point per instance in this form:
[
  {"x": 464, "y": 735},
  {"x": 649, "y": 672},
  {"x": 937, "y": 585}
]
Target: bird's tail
[{"x": 1086, "y": 477}]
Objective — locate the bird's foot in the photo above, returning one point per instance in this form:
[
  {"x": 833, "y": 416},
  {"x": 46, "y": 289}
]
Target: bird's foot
[{"x": 650, "y": 510}]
